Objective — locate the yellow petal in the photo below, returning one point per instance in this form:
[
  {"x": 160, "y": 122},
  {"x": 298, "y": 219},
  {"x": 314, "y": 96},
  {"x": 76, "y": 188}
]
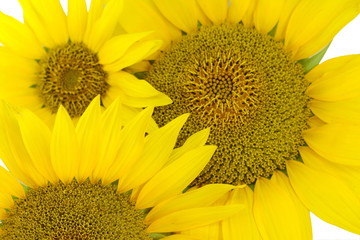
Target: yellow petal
[
  {"x": 247, "y": 20},
  {"x": 180, "y": 237},
  {"x": 315, "y": 122},
  {"x": 9, "y": 185},
  {"x": 285, "y": 15},
  {"x": 134, "y": 92},
  {"x": 215, "y": 11},
  {"x": 64, "y": 147},
  {"x": 196, "y": 140},
  {"x": 210, "y": 231},
  {"x": 151, "y": 19},
  {"x": 192, "y": 218},
  {"x": 349, "y": 174},
  {"x": 134, "y": 54},
  {"x": 103, "y": 28},
  {"x": 88, "y": 134},
  {"x": 128, "y": 148},
  {"x": 35, "y": 23},
  {"x": 54, "y": 19},
  {"x": 182, "y": 13},
  {"x": 77, "y": 19},
  {"x": 175, "y": 177},
  {"x": 237, "y": 10},
  {"x": 201, "y": 197},
  {"x": 116, "y": 47},
  {"x": 336, "y": 79},
  {"x": 345, "y": 112},
  {"x": 313, "y": 24},
  {"x": 132, "y": 86},
  {"x": 275, "y": 206},
  {"x": 37, "y": 136},
  {"x": 336, "y": 142},
  {"x": 267, "y": 14},
  {"x": 13, "y": 151},
  {"x": 19, "y": 38},
  {"x": 6, "y": 201},
  {"x": 245, "y": 218},
  {"x": 158, "y": 147},
  {"x": 319, "y": 192}
]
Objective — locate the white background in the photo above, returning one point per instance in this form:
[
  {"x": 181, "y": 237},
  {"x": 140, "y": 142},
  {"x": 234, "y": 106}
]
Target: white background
[{"x": 346, "y": 42}]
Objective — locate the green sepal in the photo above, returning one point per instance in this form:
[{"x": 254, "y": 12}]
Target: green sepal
[
  {"x": 311, "y": 62},
  {"x": 140, "y": 75},
  {"x": 158, "y": 235}
]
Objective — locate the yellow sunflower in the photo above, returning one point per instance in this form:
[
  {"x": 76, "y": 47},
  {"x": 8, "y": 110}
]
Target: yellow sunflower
[
  {"x": 287, "y": 129},
  {"x": 100, "y": 180},
  {"x": 53, "y": 58}
]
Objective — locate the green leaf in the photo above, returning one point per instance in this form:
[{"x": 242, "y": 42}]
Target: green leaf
[{"x": 311, "y": 62}]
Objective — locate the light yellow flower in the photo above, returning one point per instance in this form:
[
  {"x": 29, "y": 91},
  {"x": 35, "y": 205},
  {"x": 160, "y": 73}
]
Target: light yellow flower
[
  {"x": 98, "y": 180},
  {"x": 287, "y": 129},
  {"x": 54, "y": 59}
]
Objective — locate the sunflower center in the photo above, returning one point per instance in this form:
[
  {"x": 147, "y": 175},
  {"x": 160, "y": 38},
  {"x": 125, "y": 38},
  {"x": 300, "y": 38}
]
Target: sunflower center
[
  {"x": 245, "y": 87},
  {"x": 72, "y": 76},
  {"x": 74, "y": 211}
]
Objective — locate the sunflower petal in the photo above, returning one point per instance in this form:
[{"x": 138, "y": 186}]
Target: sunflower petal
[
  {"x": 150, "y": 19},
  {"x": 345, "y": 112},
  {"x": 19, "y": 38},
  {"x": 103, "y": 28},
  {"x": 349, "y": 174},
  {"x": 88, "y": 133},
  {"x": 217, "y": 13},
  {"x": 158, "y": 147},
  {"x": 275, "y": 206},
  {"x": 285, "y": 15},
  {"x": 183, "y": 14},
  {"x": 9, "y": 184},
  {"x": 13, "y": 151},
  {"x": 130, "y": 146},
  {"x": 116, "y": 47},
  {"x": 313, "y": 25},
  {"x": 196, "y": 140},
  {"x": 336, "y": 79},
  {"x": 35, "y": 23},
  {"x": 192, "y": 218},
  {"x": 64, "y": 147},
  {"x": 319, "y": 192},
  {"x": 174, "y": 177},
  {"x": 77, "y": 19},
  {"x": 244, "y": 218},
  {"x": 204, "y": 196},
  {"x": 134, "y": 54},
  {"x": 263, "y": 21},
  {"x": 54, "y": 18},
  {"x": 37, "y": 136},
  {"x": 336, "y": 142},
  {"x": 237, "y": 10}
]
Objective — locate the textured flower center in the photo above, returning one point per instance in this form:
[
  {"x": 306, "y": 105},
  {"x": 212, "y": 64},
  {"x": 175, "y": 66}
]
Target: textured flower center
[
  {"x": 74, "y": 211},
  {"x": 245, "y": 87},
  {"x": 72, "y": 76}
]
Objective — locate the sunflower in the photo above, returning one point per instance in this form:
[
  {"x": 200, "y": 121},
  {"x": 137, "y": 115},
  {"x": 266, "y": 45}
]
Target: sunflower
[
  {"x": 284, "y": 125},
  {"x": 56, "y": 59},
  {"x": 101, "y": 180}
]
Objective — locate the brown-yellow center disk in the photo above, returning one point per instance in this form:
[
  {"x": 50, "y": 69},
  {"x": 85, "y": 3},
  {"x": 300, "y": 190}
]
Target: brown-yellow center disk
[
  {"x": 74, "y": 211},
  {"x": 72, "y": 76},
  {"x": 245, "y": 87}
]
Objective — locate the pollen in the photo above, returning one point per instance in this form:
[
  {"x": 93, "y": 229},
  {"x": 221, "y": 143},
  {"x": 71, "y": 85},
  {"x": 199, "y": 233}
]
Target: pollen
[
  {"x": 71, "y": 76},
  {"x": 75, "y": 211},
  {"x": 246, "y": 88}
]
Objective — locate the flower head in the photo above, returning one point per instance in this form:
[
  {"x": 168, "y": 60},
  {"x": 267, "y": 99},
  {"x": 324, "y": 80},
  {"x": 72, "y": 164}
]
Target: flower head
[
  {"x": 246, "y": 69},
  {"x": 101, "y": 179},
  {"x": 55, "y": 59}
]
